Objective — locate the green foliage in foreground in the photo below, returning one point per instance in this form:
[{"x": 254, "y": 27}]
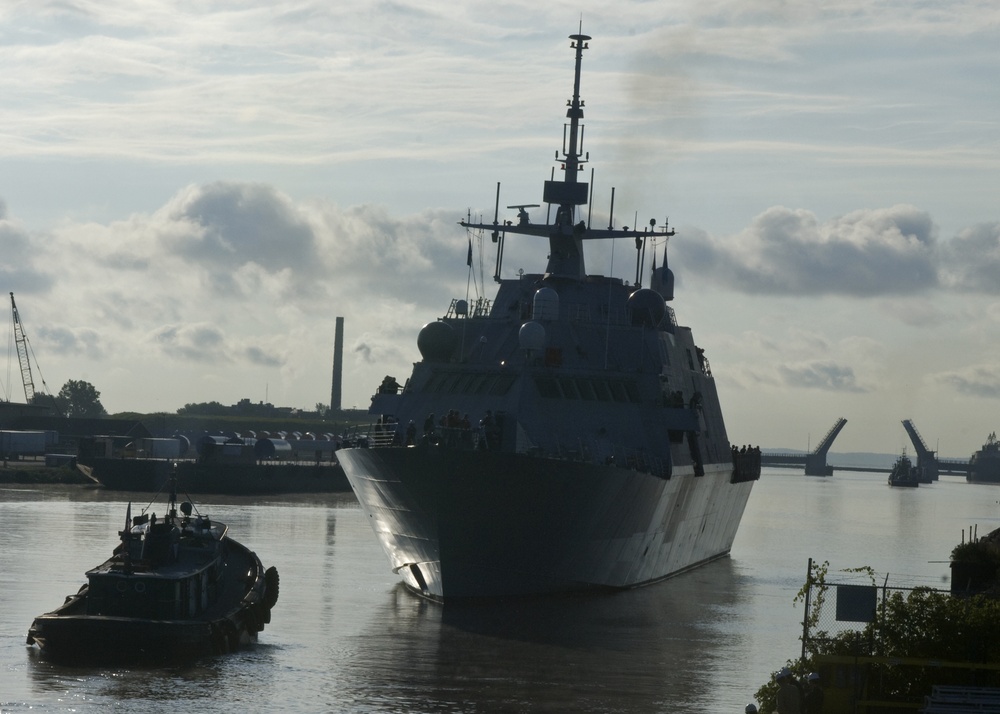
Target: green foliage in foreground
[{"x": 919, "y": 624}]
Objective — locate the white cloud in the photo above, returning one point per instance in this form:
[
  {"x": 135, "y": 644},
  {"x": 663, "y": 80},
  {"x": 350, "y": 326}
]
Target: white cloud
[
  {"x": 790, "y": 252},
  {"x": 980, "y": 380},
  {"x": 197, "y": 191}
]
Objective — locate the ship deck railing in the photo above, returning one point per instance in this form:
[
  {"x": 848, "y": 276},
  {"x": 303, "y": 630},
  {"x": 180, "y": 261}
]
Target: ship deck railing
[
  {"x": 954, "y": 699},
  {"x": 578, "y": 312},
  {"x": 381, "y": 436}
]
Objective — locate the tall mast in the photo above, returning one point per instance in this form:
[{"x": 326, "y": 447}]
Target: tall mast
[
  {"x": 566, "y": 234},
  {"x": 565, "y": 240},
  {"x": 575, "y": 112},
  {"x": 22, "y": 354}
]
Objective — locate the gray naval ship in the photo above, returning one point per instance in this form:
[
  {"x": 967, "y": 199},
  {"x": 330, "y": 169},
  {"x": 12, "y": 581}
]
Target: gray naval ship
[{"x": 565, "y": 436}]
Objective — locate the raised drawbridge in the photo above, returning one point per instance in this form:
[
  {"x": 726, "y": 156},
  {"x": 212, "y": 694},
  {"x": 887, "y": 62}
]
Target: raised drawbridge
[
  {"x": 927, "y": 462},
  {"x": 815, "y": 461}
]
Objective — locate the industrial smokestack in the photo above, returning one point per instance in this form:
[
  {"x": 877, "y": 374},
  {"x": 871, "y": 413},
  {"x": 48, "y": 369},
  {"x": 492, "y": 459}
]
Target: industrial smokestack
[{"x": 338, "y": 366}]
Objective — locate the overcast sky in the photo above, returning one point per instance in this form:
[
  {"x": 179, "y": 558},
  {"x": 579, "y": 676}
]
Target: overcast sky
[{"x": 193, "y": 192}]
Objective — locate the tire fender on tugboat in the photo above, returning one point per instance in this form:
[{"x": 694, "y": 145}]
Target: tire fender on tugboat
[{"x": 271, "y": 581}]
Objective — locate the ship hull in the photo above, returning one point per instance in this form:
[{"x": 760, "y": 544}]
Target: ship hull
[
  {"x": 984, "y": 470},
  {"x": 461, "y": 524}
]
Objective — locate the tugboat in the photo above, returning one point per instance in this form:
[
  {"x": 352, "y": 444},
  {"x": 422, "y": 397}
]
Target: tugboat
[
  {"x": 984, "y": 466},
  {"x": 176, "y": 588},
  {"x": 904, "y": 474},
  {"x": 565, "y": 436}
]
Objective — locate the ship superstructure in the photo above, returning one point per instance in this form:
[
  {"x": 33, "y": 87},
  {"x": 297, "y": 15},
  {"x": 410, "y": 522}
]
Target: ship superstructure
[
  {"x": 984, "y": 466},
  {"x": 565, "y": 435}
]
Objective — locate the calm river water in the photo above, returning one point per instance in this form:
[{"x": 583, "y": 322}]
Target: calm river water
[{"x": 346, "y": 637}]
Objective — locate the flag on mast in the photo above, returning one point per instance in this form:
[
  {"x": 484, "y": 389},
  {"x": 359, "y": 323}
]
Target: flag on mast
[{"x": 468, "y": 260}]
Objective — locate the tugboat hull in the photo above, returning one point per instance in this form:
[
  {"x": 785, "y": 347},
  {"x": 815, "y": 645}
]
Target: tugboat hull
[
  {"x": 203, "y": 594},
  {"x": 472, "y": 523}
]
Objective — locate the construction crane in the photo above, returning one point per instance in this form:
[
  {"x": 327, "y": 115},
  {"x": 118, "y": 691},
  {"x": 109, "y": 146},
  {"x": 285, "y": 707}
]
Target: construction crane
[{"x": 23, "y": 350}]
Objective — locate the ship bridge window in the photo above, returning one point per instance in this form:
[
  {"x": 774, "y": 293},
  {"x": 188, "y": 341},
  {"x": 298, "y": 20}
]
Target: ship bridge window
[
  {"x": 603, "y": 390},
  {"x": 547, "y": 387},
  {"x": 434, "y": 383},
  {"x": 502, "y": 385},
  {"x": 568, "y": 387},
  {"x": 462, "y": 383},
  {"x": 587, "y": 389},
  {"x": 451, "y": 383}
]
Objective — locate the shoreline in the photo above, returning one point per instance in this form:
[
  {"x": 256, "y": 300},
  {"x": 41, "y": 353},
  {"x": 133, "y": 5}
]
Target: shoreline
[{"x": 28, "y": 472}]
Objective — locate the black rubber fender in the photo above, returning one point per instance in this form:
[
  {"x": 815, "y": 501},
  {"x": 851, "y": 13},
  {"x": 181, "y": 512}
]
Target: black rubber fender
[{"x": 271, "y": 581}]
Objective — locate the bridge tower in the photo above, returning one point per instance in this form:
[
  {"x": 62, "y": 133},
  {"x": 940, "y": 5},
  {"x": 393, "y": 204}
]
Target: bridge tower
[
  {"x": 927, "y": 462},
  {"x": 816, "y": 461}
]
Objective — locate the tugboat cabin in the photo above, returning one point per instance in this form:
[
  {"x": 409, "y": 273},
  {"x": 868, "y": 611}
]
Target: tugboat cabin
[{"x": 161, "y": 571}]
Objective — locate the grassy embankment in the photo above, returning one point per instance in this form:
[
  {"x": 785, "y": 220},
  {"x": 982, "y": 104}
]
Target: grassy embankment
[{"x": 37, "y": 473}]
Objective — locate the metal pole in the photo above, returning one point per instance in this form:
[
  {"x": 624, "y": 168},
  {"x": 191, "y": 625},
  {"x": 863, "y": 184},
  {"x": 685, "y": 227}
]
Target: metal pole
[{"x": 805, "y": 615}]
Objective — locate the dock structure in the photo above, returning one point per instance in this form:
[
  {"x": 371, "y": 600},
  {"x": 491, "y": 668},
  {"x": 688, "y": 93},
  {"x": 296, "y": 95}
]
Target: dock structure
[{"x": 815, "y": 461}]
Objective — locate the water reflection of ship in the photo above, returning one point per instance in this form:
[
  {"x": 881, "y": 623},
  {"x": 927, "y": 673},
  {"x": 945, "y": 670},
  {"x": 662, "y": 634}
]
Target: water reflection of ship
[
  {"x": 648, "y": 649},
  {"x": 984, "y": 466},
  {"x": 601, "y": 459}
]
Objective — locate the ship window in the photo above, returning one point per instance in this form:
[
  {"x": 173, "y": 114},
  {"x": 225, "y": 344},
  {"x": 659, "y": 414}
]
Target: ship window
[
  {"x": 664, "y": 351},
  {"x": 586, "y": 388},
  {"x": 618, "y": 391},
  {"x": 568, "y": 387},
  {"x": 502, "y": 385},
  {"x": 547, "y": 387},
  {"x": 483, "y": 386},
  {"x": 602, "y": 390},
  {"x": 633, "y": 391},
  {"x": 434, "y": 383},
  {"x": 462, "y": 383},
  {"x": 448, "y": 383}
]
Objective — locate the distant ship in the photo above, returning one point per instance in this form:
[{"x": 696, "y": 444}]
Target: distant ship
[
  {"x": 984, "y": 466},
  {"x": 904, "y": 474},
  {"x": 565, "y": 436}
]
